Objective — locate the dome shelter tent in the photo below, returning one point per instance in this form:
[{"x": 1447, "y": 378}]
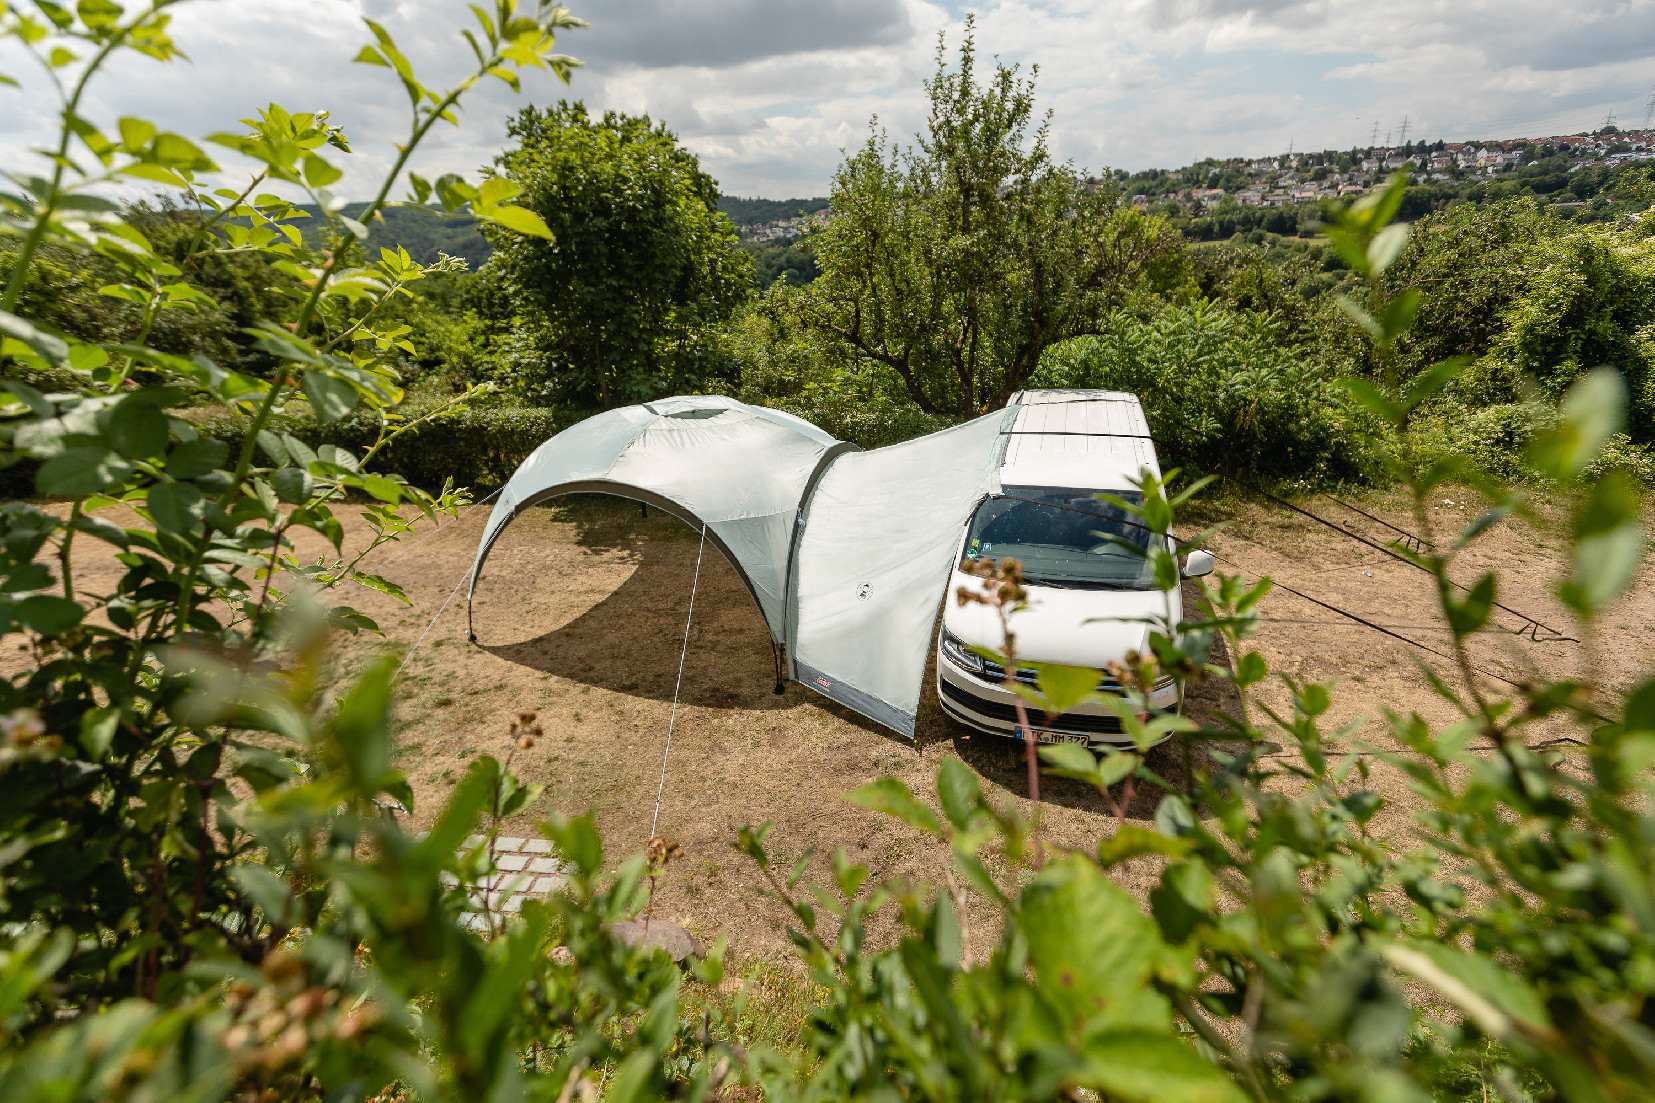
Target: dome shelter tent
[{"x": 845, "y": 552}]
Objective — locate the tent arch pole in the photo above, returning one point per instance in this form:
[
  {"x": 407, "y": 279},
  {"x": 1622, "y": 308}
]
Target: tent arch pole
[
  {"x": 615, "y": 490},
  {"x": 822, "y": 464}
]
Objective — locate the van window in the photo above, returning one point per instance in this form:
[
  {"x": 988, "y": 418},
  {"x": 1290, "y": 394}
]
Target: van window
[{"x": 1059, "y": 535}]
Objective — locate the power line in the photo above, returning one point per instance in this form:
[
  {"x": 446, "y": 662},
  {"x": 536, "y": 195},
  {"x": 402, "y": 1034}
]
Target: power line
[
  {"x": 1530, "y": 624},
  {"x": 1404, "y": 138}
]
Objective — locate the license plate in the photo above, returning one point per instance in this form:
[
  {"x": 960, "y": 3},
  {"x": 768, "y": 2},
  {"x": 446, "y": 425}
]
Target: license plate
[{"x": 1056, "y": 737}]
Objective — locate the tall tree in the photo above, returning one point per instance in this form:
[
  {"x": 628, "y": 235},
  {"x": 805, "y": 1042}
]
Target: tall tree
[
  {"x": 641, "y": 262},
  {"x": 957, "y": 261}
]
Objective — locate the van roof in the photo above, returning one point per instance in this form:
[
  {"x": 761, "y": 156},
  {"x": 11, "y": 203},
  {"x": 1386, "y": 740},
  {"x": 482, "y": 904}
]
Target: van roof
[{"x": 1084, "y": 439}]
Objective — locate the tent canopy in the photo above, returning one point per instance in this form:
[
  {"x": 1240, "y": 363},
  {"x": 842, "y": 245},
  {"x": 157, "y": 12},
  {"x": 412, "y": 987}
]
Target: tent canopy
[{"x": 846, "y": 552}]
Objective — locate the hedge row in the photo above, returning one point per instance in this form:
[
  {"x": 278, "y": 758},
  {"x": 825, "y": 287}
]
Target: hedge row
[{"x": 474, "y": 447}]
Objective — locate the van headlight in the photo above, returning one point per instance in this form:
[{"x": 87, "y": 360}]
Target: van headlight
[{"x": 959, "y": 654}]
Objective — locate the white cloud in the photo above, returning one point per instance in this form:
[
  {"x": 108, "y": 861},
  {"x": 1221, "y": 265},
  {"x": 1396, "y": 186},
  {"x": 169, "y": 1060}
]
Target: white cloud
[{"x": 769, "y": 91}]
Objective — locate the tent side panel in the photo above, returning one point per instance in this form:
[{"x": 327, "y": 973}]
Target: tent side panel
[{"x": 877, "y": 542}]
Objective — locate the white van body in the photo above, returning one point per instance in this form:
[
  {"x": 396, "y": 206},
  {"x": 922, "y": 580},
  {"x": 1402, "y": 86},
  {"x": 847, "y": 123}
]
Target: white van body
[{"x": 1089, "y": 600}]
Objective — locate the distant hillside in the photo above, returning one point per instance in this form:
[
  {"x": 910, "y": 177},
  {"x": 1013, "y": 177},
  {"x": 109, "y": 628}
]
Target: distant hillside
[
  {"x": 420, "y": 230},
  {"x": 756, "y": 212},
  {"x": 425, "y": 232}
]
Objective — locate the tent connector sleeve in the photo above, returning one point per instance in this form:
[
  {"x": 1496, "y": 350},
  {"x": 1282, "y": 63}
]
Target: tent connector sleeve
[{"x": 781, "y": 686}]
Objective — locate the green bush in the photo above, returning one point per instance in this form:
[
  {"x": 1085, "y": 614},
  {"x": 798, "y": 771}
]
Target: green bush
[
  {"x": 784, "y": 364},
  {"x": 1224, "y": 393},
  {"x": 475, "y": 446}
]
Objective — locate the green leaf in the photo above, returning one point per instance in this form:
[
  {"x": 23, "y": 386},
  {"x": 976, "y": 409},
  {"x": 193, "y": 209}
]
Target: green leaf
[
  {"x": 1489, "y": 995},
  {"x": 176, "y": 507},
  {"x": 959, "y": 791},
  {"x": 81, "y": 470},
  {"x": 318, "y": 173},
  {"x": 135, "y": 133},
  {"x": 1251, "y": 670},
  {"x": 138, "y": 429},
  {"x": 176, "y": 151},
  {"x": 1070, "y": 760},
  {"x": 1092, "y": 949},
  {"x": 97, "y": 730},
  {"x": 1398, "y": 315},
  {"x": 100, "y": 529},
  {"x": 1469, "y": 615},
  {"x": 98, "y": 13},
  {"x": 1155, "y": 1068},
  {"x": 37, "y": 403},
  {"x": 517, "y": 219},
  {"x": 1376, "y": 400},
  {"x": 1131, "y": 841},
  {"x": 386, "y": 490},
  {"x": 1064, "y": 687},
  {"x": 331, "y": 398},
  {"x": 293, "y": 485},
  {"x": 891, "y": 796},
  {"x": 194, "y": 458},
  {"x": 47, "y": 346},
  {"x": 269, "y": 892},
  {"x": 46, "y": 614},
  {"x": 1385, "y": 246},
  {"x": 1593, "y": 411}
]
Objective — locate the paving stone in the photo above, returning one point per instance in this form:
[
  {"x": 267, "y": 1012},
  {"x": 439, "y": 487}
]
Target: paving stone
[
  {"x": 543, "y": 865},
  {"x": 550, "y": 884},
  {"x": 448, "y": 879},
  {"x": 514, "y": 904},
  {"x": 511, "y": 861},
  {"x": 537, "y": 846},
  {"x": 473, "y": 840},
  {"x": 511, "y": 843}
]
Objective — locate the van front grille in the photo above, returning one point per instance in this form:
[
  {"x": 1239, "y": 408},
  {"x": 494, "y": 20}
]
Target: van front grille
[{"x": 999, "y": 710}]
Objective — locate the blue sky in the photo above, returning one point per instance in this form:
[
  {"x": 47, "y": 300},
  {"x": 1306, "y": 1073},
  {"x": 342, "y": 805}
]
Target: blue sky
[{"x": 769, "y": 92}]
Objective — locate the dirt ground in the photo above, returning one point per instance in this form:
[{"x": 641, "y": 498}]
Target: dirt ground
[{"x": 580, "y": 616}]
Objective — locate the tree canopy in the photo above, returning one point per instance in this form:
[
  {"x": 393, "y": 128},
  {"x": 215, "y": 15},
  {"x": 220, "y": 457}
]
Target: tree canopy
[
  {"x": 957, "y": 261},
  {"x": 613, "y": 309}
]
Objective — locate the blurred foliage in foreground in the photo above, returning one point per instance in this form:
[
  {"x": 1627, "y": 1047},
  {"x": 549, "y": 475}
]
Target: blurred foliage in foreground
[{"x": 205, "y": 893}]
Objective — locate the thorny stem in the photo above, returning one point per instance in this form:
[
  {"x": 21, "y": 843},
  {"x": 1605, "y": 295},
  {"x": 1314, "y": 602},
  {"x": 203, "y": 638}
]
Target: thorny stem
[
  {"x": 1028, "y": 738},
  {"x": 1198, "y": 1022},
  {"x": 64, "y": 567}
]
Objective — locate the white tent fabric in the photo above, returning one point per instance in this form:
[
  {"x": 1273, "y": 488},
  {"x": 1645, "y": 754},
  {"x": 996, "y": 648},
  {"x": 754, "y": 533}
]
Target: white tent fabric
[
  {"x": 742, "y": 470},
  {"x": 846, "y": 552},
  {"x": 875, "y": 548}
]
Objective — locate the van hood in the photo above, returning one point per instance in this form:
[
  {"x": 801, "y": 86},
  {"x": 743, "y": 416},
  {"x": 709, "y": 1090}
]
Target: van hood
[{"x": 1076, "y": 627}]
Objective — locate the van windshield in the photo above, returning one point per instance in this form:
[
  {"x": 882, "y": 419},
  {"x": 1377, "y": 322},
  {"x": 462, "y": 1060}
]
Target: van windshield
[{"x": 1060, "y": 537}]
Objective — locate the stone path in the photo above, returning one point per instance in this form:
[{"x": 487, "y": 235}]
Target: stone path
[{"x": 527, "y": 868}]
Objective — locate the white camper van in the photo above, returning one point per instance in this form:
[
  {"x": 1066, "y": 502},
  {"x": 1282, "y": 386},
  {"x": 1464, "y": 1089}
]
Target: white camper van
[{"x": 1088, "y": 597}]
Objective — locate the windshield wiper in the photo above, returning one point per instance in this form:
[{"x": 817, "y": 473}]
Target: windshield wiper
[{"x": 1079, "y": 584}]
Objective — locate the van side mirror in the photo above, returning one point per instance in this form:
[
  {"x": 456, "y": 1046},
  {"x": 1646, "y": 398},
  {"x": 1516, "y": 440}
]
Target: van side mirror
[{"x": 1199, "y": 563}]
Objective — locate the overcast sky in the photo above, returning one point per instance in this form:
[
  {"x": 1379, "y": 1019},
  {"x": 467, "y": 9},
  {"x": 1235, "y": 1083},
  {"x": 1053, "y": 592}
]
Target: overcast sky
[{"x": 768, "y": 92}]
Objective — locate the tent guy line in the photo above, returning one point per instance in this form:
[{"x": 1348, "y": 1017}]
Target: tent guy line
[
  {"x": 432, "y": 625},
  {"x": 672, "y": 718}
]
